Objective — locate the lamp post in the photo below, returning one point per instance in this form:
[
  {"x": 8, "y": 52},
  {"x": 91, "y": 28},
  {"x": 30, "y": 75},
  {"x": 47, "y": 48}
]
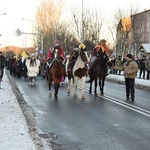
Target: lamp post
[
  {"x": 82, "y": 23},
  {"x": 35, "y": 33}
]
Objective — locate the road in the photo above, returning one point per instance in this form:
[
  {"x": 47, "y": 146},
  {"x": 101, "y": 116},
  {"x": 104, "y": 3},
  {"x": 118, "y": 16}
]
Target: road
[{"x": 97, "y": 123}]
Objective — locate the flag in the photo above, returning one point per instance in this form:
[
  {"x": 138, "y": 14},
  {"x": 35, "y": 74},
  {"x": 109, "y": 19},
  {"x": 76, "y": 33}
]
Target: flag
[{"x": 23, "y": 54}]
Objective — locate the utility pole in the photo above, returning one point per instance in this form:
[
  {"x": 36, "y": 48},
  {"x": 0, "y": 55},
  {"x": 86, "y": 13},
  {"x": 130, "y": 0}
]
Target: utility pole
[{"x": 82, "y": 24}]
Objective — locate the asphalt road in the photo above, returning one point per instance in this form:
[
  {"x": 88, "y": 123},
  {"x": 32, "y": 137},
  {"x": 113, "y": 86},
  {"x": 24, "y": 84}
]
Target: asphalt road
[{"x": 97, "y": 123}]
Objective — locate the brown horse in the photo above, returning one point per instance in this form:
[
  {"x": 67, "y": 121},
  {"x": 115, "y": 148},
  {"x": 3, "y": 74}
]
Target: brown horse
[
  {"x": 78, "y": 72},
  {"x": 55, "y": 73}
]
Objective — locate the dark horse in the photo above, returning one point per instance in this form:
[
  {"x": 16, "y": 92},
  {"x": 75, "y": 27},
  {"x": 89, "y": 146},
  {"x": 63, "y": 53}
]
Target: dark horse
[
  {"x": 78, "y": 72},
  {"x": 55, "y": 73},
  {"x": 98, "y": 71}
]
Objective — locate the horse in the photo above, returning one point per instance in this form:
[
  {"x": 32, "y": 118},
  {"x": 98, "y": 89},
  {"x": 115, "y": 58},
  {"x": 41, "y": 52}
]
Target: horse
[
  {"x": 78, "y": 72},
  {"x": 55, "y": 73},
  {"x": 98, "y": 71}
]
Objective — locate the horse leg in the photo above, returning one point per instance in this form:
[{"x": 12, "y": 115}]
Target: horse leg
[
  {"x": 102, "y": 86},
  {"x": 75, "y": 87},
  {"x": 56, "y": 87},
  {"x": 95, "y": 90},
  {"x": 90, "y": 89},
  {"x": 68, "y": 87},
  {"x": 82, "y": 89},
  {"x": 49, "y": 85}
]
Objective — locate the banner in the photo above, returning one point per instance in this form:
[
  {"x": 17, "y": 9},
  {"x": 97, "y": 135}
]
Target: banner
[{"x": 23, "y": 54}]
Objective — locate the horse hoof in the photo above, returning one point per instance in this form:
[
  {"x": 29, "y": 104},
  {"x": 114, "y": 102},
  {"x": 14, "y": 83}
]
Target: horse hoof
[
  {"x": 75, "y": 96},
  {"x": 68, "y": 93},
  {"x": 102, "y": 94},
  {"x": 56, "y": 98},
  {"x": 83, "y": 97},
  {"x": 96, "y": 94},
  {"x": 50, "y": 94}
]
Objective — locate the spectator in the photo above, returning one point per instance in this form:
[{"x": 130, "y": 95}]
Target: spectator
[
  {"x": 142, "y": 66},
  {"x": 147, "y": 66},
  {"x": 118, "y": 63},
  {"x": 130, "y": 68},
  {"x": 112, "y": 60},
  {"x": 2, "y": 65}
]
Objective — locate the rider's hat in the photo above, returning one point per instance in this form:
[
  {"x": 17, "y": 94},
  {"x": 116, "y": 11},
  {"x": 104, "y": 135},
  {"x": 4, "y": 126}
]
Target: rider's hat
[{"x": 103, "y": 40}]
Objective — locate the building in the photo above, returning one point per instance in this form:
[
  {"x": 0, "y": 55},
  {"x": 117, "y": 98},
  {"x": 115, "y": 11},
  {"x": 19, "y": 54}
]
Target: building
[{"x": 132, "y": 32}]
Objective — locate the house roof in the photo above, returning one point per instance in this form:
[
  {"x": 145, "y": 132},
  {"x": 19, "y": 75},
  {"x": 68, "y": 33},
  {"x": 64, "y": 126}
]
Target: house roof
[{"x": 145, "y": 47}]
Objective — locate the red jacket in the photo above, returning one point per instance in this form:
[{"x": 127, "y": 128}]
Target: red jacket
[
  {"x": 62, "y": 53},
  {"x": 49, "y": 55}
]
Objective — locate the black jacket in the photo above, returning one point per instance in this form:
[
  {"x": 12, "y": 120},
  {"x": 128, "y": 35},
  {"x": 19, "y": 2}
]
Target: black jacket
[{"x": 2, "y": 62}]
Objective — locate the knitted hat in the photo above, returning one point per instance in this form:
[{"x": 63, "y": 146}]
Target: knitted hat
[{"x": 130, "y": 56}]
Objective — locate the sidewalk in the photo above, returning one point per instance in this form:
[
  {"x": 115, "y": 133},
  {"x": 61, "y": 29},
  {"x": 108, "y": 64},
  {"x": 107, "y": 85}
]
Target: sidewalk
[
  {"x": 14, "y": 133},
  {"x": 139, "y": 82}
]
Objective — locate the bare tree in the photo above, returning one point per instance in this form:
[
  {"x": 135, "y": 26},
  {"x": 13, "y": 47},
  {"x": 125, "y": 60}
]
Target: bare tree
[{"x": 119, "y": 31}]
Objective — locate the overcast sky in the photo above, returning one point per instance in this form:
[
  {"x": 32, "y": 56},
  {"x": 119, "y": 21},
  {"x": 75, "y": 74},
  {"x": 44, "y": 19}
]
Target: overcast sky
[{"x": 18, "y": 9}]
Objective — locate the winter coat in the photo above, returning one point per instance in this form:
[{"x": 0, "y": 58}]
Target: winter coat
[
  {"x": 142, "y": 63},
  {"x": 32, "y": 70},
  {"x": 19, "y": 66},
  {"x": 2, "y": 62},
  {"x": 130, "y": 69},
  {"x": 118, "y": 62},
  {"x": 147, "y": 64}
]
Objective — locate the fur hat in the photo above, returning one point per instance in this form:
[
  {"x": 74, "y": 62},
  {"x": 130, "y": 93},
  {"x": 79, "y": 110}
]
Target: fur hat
[
  {"x": 130, "y": 56},
  {"x": 103, "y": 40}
]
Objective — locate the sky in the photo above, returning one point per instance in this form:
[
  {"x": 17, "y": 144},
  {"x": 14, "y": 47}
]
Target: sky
[{"x": 18, "y": 9}]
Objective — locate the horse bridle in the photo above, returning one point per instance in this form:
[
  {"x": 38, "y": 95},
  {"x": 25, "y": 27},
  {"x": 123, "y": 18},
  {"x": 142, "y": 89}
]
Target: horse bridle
[{"x": 55, "y": 56}]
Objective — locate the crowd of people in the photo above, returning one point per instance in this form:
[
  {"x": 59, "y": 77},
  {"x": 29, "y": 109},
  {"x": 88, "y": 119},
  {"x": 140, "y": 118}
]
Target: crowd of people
[{"x": 143, "y": 65}]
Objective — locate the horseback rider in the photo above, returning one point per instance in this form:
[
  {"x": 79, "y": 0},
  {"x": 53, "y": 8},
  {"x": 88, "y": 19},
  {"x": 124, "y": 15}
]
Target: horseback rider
[
  {"x": 73, "y": 57},
  {"x": 50, "y": 59},
  {"x": 99, "y": 50}
]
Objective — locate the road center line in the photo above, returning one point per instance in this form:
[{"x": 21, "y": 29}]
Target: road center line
[{"x": 124, "y": 104}]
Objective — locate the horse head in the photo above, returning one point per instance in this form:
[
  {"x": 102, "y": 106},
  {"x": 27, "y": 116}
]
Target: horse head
[
  {"x": 57, "y": 54},
  {"x": 83, "y": 55}
]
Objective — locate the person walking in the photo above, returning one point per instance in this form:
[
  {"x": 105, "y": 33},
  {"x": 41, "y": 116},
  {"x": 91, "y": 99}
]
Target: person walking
[
  {"x": 2, "y": 65},
  {"x": 147, "y": 67},
  {"x": 33, "y": 69},
  {"x": 19, "y": 67},
  {"x": 130, "y": 69}
]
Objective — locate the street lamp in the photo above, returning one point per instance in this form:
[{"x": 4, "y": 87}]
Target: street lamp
[
  {"x": 3, "y": 14},
  {"x": 35, "y": 33}
]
